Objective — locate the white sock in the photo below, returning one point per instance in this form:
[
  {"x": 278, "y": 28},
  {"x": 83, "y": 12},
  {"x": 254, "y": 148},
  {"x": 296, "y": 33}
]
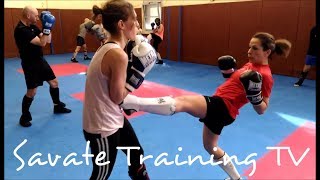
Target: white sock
[
  {"x": 229, "y": 167},
  {"x": 160, "y": 105}
]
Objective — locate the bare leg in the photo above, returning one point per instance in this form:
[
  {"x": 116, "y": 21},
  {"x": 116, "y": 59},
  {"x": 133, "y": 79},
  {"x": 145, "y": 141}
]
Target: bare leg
[
  {"x": 306, "y": 68},
  {"x": 31, "y": 92},
  {"x": 194, "y": 105},
  {"x": 86, "y": 57},
  {"x": 76, "y": 51},
  {"x": 85, "y": 49},
  {"x": 53, "y": 83},
  {"x": 210, "y": 143},
  {"x": 73, "y": 59},
  {"x": 160, "y": 61},
  {"x": 158, "y": 56}
]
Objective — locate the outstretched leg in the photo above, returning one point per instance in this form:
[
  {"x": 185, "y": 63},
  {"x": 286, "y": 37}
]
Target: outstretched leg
[{"x": 195, "y": 105}]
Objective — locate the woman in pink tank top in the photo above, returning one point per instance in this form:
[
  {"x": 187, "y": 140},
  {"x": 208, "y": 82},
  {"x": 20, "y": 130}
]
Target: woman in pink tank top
[{"x": 104, "y": 126}]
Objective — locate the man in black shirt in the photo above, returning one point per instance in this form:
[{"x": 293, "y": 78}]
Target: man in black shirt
[
  {"x": 312, "y": 54},
  {"x": 30, "y": 40}
]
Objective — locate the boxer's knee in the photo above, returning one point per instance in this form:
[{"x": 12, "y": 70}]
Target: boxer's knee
[
  {"x": 306, "y": 68},
  {"x": 195, "y": 105},
  {"x": 31, "y": 92},
  {"x": 77, "y": 49},
  {"x": 54, "y": 83},
  {"x": 84, "y": 47},
  {"x": 183, "y": 103}
]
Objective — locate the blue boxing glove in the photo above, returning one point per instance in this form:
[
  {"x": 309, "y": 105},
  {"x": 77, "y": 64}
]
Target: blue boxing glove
[
  {"x": 48, "y": 21},
  {"x": 43, "y": 13}
]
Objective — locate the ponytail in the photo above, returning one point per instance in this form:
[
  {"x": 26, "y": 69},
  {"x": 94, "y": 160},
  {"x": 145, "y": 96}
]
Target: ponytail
[
  {"x": 283, "y": 47},
  {"x": 96, "y": 10}
]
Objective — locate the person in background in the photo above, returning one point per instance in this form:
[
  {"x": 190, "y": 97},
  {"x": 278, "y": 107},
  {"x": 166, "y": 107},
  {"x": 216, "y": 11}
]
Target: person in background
[
  {"x": 109, "y": 79},
  {"x": 312, "y": 54},
  {"x": 81, "y": 43},
  {"x": 157, "y": 37},
  {"x": 30, "y": 40}
]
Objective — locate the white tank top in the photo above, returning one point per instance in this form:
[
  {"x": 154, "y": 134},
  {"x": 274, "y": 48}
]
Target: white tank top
[{"x": 100, "y": 114}]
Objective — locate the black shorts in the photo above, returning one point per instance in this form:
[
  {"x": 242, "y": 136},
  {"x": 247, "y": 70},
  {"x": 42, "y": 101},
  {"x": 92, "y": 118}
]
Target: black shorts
[
  {"x": 35, "y": 74},
  {"x": 156, "y": 41},
  {"x": 80, "y": 41},
  {"x": 218, "y": 114}
]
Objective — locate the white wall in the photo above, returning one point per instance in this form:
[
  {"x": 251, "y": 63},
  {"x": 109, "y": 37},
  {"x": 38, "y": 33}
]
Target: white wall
[{"x": 21, "y": 4}]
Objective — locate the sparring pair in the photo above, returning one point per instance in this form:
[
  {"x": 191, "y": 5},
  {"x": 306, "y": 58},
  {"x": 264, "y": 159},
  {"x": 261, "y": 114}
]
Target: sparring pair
[
  {"x": 157, "y": 37},
  {"x": 30, "y": 40},
  {"x": 251, "y": 83},
  {"x": 96, "y": 26},
  {"x": 93, "y": 26},
  {"x": 110, "y": 77}
]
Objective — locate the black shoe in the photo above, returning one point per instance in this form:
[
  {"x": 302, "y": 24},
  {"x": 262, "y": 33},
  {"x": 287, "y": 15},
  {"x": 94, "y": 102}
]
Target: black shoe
[
  {"x": 74, "y": 60},
  {"x": 159, "y": 62},
  {"x": 25, "y": 120},
  {"x": 59, "y": 109},
  {"x": 62, "y": 104},
  {"x": 87, "y": 58},
  {"x": 297, "y": 84}
]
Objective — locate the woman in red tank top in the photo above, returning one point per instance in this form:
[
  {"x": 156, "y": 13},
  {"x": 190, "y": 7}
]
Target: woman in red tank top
[{"x": 251, "y": 83}]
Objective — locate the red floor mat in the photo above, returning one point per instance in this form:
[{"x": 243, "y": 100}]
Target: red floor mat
[
  {"x": 65, "y": 69},
  {"x": 290, "y": 166}
]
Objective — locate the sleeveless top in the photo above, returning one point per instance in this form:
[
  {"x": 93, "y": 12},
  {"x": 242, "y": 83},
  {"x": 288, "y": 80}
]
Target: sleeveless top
[{"x": 100, "y": 114}]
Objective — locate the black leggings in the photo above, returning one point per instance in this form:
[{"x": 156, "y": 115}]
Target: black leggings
[{"x": 124, "y": 137}]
